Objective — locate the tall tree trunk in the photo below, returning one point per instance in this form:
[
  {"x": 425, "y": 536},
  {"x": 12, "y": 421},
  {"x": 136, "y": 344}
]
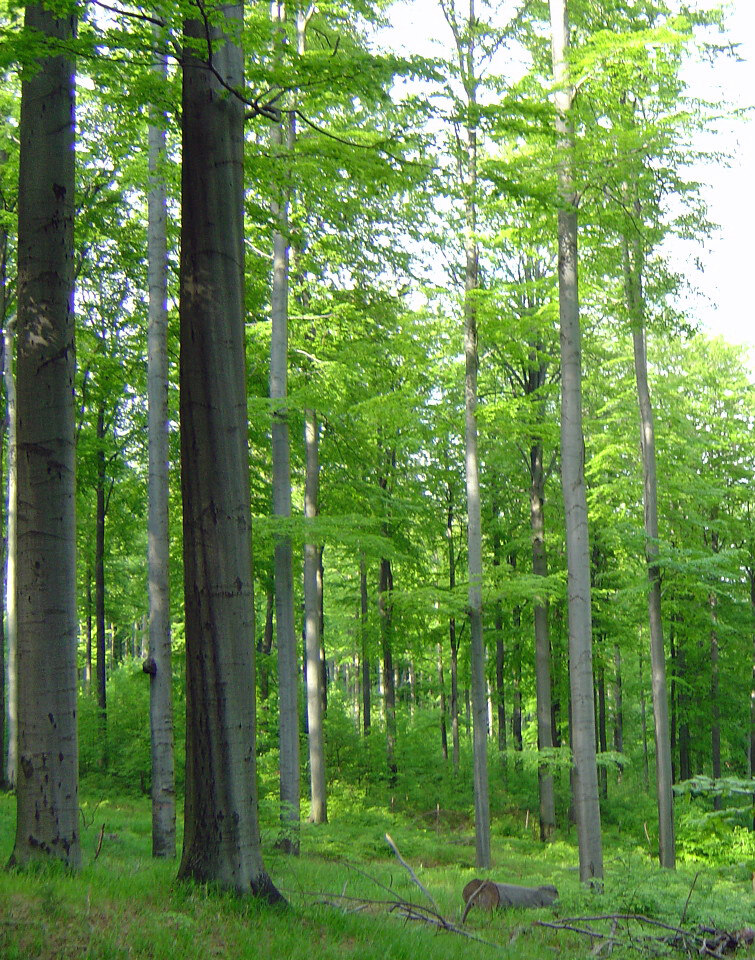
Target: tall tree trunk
[
  {"x": 644, "y": 727},
  {"x": 673, "y": 701},
  {"x": 9, "y": 758},
  {"x": 452, "y": 637},
  {"x": 99, "y": 586},
  {"x": 516, "y": 711},
  {"x": 585, "y": 781},
  {"x": 465, "y": 35},
  {"x": 385, "y": 607},
  {"x": 715, "y": 705},
  {"x": 443, "y": 704},
  {"x": 88, "y": 673},
  {"x": 542, "y": 641},
  {"x": 288, "y": 691},
  {"x": 474, "y": 522},
  {"x": 500, "y": 651},
  {"x": 618, "y": 706},
  {"x": 158, "y": 551},
  {"x": 319, "y": 811},
  {"x": 266, "y": 644},
  {"x": 633, "y": 261},
  {"x": 221, "y": 835},
  {"x": 685, "y": 740},
  {"x": 516, "y": 659},
  {"x": 47, "y": 807},
  {"x": 602, "y": 737},
  {"x": 363, "y": 629}
]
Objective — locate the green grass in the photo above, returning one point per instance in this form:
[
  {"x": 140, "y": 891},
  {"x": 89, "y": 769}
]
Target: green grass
[{"x": 123, "y": 904}]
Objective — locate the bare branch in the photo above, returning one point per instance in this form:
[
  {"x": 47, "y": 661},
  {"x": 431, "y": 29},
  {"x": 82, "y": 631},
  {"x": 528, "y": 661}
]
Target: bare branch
[{"x": 412, "y": 874}]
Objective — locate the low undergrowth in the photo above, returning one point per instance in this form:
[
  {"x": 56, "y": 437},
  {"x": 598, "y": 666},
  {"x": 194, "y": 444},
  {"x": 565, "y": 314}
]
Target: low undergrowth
[{"x": 346, "y": 889}]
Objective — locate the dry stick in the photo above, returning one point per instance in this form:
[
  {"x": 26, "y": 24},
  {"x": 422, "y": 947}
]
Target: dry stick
[
  {"x": 412, "y": 874},
  {"x": 411, "y": 911},
  {"x": 99, "y": 842},
  {"x": 684, "y": 912},
  {"x": 686, "y": 936}
]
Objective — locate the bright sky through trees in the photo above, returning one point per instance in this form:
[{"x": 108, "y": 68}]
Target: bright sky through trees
[
  {"x": 721, "y": 298},
  {"x": 730, "y": 190}
]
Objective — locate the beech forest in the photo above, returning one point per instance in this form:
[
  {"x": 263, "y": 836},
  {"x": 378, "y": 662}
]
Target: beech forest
[{"x": 376, "y": 490}]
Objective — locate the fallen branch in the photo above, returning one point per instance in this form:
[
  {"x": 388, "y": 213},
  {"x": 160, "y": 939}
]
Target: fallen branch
[
  {"x": 411, "y": 873},
  {"x": 705, "y": 941}
]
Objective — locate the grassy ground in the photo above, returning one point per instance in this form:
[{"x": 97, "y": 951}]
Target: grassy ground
[{"x": 341, "y": 889}]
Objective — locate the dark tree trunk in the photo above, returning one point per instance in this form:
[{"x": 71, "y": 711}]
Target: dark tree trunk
[
  {"x": 443, "y": 718},
  {"x": 47, "y": 806},
  {"x": 363, "y": 628},
  {"x": 618, "y": 706},
  {"x": 221, "y": 835},
  {"x": 385, "y": 605},
  {"x": 99, "y": 584},
  {"x": 602, "y": 737},
  {"x": 266, "y": 644}
]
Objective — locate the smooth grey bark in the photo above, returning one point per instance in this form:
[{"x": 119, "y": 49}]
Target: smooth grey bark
[
  {"x": 633, "y": 271},
  {"x": 319, "y": 809},
  {"x": 47, "y": 807},
  {"x": 221, "y": 836},
  {"x": 285, "y": 627},
  {"x": 585, "y": 779},
  {"x": 9, "y": 759},
  {"x": 158, "y": 534},
  {"x": 464, "y": 34}
]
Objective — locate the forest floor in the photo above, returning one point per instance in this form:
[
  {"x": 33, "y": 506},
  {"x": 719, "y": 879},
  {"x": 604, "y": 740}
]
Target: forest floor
[{"x": 350, "y": 896}]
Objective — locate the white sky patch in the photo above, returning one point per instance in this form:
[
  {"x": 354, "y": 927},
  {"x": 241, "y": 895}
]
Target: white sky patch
[{"x": 722, "y": 299}]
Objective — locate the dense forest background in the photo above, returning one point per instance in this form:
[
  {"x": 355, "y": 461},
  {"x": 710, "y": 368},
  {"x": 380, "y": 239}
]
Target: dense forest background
[{"x": 389, "y": 200}]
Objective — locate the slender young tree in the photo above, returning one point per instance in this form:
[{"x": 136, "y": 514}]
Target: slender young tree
[
  {"x": 99, "y": 582},
  {"x": 288, "y": 674},
  {"x": 363, "y": 631},
  {"x": 10, "y": 757},
  {"x": 47, "y": 808},
  {"x": 221, "y": 835},
  {"x": 633, "y": 283},
  {"x": 465, "y": 35},
  {"x": 158, "y": 665},
  {"x": 585, "y": 779},
  {"x": 319, "y": 809}
]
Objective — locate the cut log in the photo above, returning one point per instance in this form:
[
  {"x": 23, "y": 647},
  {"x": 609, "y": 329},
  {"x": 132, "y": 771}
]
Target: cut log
[{"x": 488, "y": 895}]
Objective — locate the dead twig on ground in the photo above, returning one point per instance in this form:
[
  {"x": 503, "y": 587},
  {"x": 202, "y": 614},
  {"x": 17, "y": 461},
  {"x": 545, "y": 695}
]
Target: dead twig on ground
[{"x": 391, "y": 843}]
